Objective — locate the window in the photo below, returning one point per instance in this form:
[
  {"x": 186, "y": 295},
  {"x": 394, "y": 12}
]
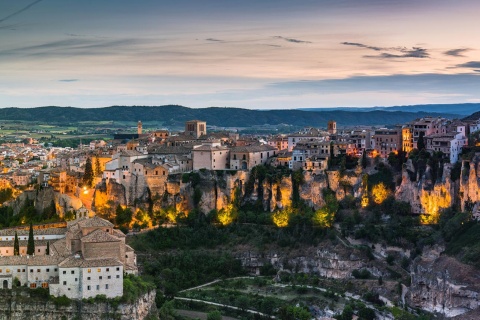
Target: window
[
  {"x": 33, "y": 285},
  {"x": 88, "y": 287},
  {"x": 48, "y": 270},
  {"x": 18, "y": 270},
  {"x": 109, "y": 277},
  {"x": 45, "y": 285},
  {"x": 108, "y": 230},
  {"x": 89, "y": 270},
  {"x": 64, "y": 272},
  {"x": 118, "y": 268},
  {"x": 108, "y": 269},
  {"x": 73, "y": 272},
  {"x": 38, "y": 270},
  {"x": 55, "y": 269},
  {"x": 98, "y": 270},
  {"x": 23, "y": 270},
  {"x": 88, "y": 278},
  {"x": 100, "y": 278},
  {"x": 76, "y": 279},
  {"x": 31, "y": 270},
  {"x": 106, "y": 286},
  {"x": 64, "y": 283},
  {"x": 118, "y": 276},
  {"x": 98, "y": 287}
]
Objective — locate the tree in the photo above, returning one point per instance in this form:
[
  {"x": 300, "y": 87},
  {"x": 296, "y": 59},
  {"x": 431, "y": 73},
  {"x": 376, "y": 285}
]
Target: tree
[
  {"x": 214, "y": 315},
  {"x": 98, "y": 169},
  {"x": 31, "y": 242},
  {"x": 88, "y": 175},
  {"x": 16, "y": 246},
  {"x": 364, "y": 159},
  {"x": 421, "y": 141},
  {"x": 47, "y": 251}
]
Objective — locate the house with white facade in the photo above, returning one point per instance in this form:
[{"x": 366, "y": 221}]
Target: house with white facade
[{"x": 86, "y": 259}]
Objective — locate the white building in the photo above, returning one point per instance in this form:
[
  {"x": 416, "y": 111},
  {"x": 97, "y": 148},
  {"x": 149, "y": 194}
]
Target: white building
[{"x": 89, "y": 259}]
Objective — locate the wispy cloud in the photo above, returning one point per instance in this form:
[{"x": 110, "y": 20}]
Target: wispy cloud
[
  {"x": 214, "y": 40},
  {"x": 392, "y": 52},
  {"x": 456, "y": 52},
  {"x": 361, "y": 45},
  {"x": 68, "y": 80},
  {"x": 292, "y": 40},
  {"x": 415, "y": 52},
  {"x": 469, "y": 64},
  {"x": 20, "y": 11}
]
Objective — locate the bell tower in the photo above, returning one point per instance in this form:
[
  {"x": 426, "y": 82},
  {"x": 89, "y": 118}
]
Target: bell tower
[{"x": 139, "y": 127}]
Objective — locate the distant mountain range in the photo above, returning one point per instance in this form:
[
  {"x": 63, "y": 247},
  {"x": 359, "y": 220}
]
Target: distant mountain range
[
  {"x": 458, "y": 108},
  {"x": 173, "y": 115}
]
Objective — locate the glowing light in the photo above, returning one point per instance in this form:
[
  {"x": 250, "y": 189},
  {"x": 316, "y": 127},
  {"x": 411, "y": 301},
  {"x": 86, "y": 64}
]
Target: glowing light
[
  {"x": 379, "y": 193},
  {"x": 324, "y": 217},
  {"x": 433, "y": 202},
  {"x": 226, "y": 215},
  {"x": 281, "y": 218}
]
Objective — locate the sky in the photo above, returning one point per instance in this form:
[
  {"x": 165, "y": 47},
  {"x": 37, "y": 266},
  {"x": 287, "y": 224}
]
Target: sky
[{"x": 257, "y": 54}]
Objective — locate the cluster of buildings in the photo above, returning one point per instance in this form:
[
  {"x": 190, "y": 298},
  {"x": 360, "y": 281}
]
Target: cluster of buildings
[
  {"x": 157, "y": 154},
  {"x": 81, "y": 259}
]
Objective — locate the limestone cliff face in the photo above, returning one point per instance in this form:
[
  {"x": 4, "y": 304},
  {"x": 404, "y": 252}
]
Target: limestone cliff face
[
  {"x": 218, "y": 190},
  {"x": 470, "y": 181},
  {"x": 109, "y": 191},
  {"x": 444, "y": 285},
  {"x": 424, "y": 196},
  {"x": 20, "y": 306},
  {"x": 43, "y": 199},
  {"x": 335, "y": 262}
]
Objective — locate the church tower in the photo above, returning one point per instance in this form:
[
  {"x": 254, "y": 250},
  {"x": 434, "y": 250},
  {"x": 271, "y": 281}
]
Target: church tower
[
  {"x": 332, "y": 127},
  {"x": 139, "y": 127}
]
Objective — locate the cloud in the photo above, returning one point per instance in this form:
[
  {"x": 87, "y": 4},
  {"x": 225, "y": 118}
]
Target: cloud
[
  {"x": 392, "y": 52},
  {"x": 456, "y": 52},
  {"x": 20, "y": 11},
  {"x": 292, "y": 39},
  {"x": 470, "y": 64},
  {"x": 76, "y": 46},
  {"x": 361, "y": 45},
  {"x": 68, "y": 80}
]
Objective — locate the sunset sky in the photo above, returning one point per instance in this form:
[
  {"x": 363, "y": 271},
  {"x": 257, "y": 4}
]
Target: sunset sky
[{"x": 260, "y": 54}]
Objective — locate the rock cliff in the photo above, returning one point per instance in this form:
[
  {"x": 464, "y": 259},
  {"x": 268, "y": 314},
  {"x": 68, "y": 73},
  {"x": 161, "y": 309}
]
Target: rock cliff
[
  {"x": 23, "y": 305},
  {"x": 444, "y": 285}
]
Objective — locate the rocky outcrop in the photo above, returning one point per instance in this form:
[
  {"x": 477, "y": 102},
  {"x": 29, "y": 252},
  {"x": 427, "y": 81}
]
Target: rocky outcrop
[
  {"x": 19, "y": 305},
  {"x": 424, "y": 196},
  {"x": 444, "y": 285},
  {"x": 219, "y": 189},
  {"x": 470, "y": 181},
  {"x": 43, "y": 198},
  {"x": 335, "y": 261}
]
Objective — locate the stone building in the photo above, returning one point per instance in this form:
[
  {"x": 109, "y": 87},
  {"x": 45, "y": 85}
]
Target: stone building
[
  {"x": 196, "y": 128},
  {"x": 86, "y": 259}
]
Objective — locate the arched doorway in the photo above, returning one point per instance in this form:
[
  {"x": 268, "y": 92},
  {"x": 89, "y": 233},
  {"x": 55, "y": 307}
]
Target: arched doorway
[
  {"x": 244, "y": 165},
  {"x": 5, "y": 284}
]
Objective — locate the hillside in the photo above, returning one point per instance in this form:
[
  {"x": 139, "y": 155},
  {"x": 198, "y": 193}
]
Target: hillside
[
  {"x": 173, "y": 115},
  {"x": 458, "y": 108}
]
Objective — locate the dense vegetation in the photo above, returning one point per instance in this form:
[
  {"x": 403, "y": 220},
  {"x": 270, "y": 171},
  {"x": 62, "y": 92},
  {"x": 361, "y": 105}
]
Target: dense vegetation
[{"x": 225, "y": 117}]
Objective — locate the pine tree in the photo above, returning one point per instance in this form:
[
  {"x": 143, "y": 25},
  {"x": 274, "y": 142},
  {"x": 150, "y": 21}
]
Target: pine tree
[
  {"x": 31, "y": 242},
  {"x": 98, "y": 169},
  {"x": 47, "y": 252},
  {"x": 364, "y": 159},
  {"x": 16, "y": 246},
  {"x": 88, "y": 175},
  {"x": 421, "y": 142}
]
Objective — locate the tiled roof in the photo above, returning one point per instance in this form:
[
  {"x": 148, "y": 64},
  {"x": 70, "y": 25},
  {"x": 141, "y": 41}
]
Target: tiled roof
[
  {"x": 72, "y": 262},
  {"x": 30, "y": 260},
  {"x": 23, "y": 243},
  {"x": 248, "y": 149},
  {"x": 99, "y": 236},
  {"x": 36, "y": 232},
  {"x": 118, "y": 233},
  {"x": 59, "y": 248},
  {"x": 94, "y": 222},
  {"x": 128, "y": 248}
]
